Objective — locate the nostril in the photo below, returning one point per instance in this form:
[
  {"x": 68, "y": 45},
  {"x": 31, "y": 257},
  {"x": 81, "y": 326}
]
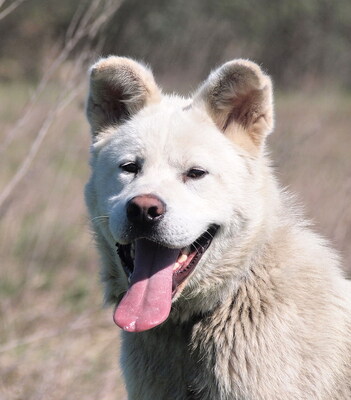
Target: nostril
[
  {"x": 154, "y": 212},
  {"x": 134, "y": 212}
]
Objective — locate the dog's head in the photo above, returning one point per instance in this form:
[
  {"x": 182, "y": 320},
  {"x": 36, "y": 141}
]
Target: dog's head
[{"x": 175, "y": 181}]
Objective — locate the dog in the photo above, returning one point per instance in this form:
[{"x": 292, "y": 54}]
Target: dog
[{"x": 221, "y": 288}]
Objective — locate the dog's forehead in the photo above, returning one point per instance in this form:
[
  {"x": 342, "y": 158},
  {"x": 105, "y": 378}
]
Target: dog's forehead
[
  {"x": 171, "y": 133},
  {"x": 171, "y": 127}
]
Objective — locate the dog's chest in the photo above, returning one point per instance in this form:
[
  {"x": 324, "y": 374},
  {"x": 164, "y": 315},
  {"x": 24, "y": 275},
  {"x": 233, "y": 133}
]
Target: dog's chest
[{"x": 167, "y": 362}]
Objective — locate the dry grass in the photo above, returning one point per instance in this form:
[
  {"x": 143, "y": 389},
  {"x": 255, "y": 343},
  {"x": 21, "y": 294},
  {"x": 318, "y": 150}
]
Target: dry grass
[
  {"x": 56, "y": 341},
  {"x": 312, "y": 150}
]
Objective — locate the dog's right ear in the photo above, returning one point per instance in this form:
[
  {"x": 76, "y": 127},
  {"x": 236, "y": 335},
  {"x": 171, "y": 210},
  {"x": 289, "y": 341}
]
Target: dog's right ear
[
  {"x": 238, "y": 98},
  {"x": 119, "y": 88}
]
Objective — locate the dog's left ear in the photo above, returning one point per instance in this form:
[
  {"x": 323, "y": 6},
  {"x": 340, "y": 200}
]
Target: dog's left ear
[
  {"x": 238, "y": 98},
  {"x": 119, "y": 88}
]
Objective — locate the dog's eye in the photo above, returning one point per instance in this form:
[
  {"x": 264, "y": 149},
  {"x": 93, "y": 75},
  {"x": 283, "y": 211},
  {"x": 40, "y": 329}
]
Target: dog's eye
[
  {"x": 196, "y": 173},
  {"x": 130, "y": 167}
]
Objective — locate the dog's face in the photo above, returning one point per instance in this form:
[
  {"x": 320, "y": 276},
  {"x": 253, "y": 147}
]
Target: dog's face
[
  {"x": 174, "y": 160},
  {"x": 174, "y": 180}
]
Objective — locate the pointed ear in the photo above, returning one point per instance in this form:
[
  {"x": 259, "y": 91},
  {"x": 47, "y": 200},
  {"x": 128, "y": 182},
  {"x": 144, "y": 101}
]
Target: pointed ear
[
  {"x": 238, "y": 98},
  {"x": 119, "y": 88}
]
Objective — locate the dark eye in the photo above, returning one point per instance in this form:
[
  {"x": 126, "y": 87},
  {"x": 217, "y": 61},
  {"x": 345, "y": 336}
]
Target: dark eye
[
  {"x": 130, "y": 167},
  {"x": 196, "y": 173}
]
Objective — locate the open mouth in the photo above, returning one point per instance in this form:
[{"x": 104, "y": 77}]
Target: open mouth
[
  {"x": 155, "y": 273},
  {"x": 185, "y": 264}
]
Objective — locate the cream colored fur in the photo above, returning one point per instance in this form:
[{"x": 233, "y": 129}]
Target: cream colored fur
[{"x": 266, "y": 314}]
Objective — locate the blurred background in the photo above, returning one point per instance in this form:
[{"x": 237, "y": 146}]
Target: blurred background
[{"x": 56, "y": 340}]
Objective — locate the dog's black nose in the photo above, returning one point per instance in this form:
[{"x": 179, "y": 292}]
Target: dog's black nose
[{"x": 146, "y": 208}]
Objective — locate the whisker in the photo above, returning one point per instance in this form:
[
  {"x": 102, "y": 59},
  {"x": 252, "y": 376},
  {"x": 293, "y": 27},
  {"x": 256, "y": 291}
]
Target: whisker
[
  {"x": 196, "y": 244},
  {"x": 100, "y": 219},
  {"x": 208, "y": 235},
  {"x": 100, "y": 216}
]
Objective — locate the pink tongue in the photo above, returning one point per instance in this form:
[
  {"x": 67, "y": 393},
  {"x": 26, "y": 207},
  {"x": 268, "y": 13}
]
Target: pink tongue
[{"x": 148, "y": 301}]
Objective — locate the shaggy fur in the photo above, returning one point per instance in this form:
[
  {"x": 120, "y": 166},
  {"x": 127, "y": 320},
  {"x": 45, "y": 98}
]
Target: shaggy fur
[{"x": 266, "y": 314}]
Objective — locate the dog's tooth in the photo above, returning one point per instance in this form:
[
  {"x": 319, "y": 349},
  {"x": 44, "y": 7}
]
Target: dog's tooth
[
  {"x": 186, "y": 250},
  {"x": 132, "y": 250},
  {"x": 176, "y": 266},
  {"x": 182, "y": 258}
]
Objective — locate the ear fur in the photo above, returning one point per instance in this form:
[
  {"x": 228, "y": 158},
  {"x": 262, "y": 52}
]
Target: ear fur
[
  {"x": 238, "y": 98},
  {"x": 119, "y": 88}
]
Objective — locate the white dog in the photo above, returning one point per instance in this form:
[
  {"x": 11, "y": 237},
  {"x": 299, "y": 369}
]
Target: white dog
[{"x": 222, "y": 290}]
